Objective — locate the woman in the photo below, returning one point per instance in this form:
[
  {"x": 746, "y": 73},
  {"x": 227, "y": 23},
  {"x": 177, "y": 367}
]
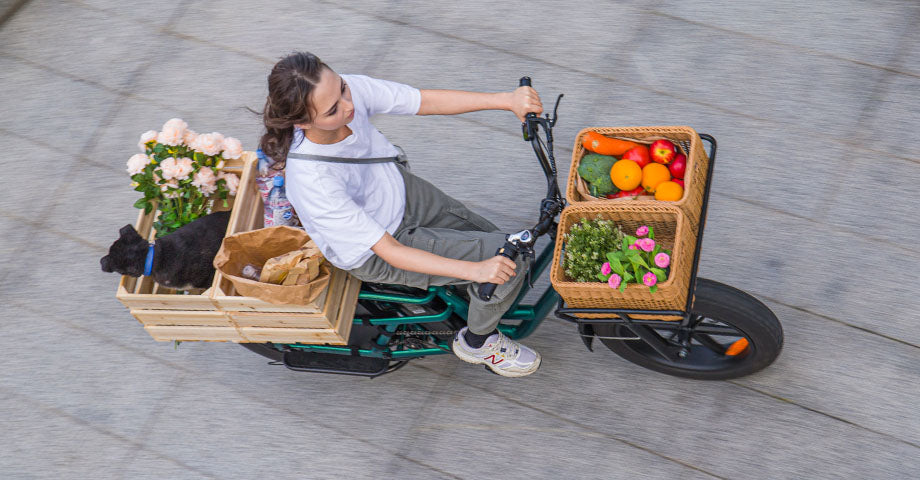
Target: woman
[{"x": 370, "y": 216}]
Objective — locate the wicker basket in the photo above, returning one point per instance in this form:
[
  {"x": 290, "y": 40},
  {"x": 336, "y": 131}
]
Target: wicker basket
[
  {"x": 685, "y": 138},
  {"x": 672, "y": 232}
]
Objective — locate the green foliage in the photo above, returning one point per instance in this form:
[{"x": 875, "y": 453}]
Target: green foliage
[
  {"x": 595, "y": 169},
  {"x": 585, "y": 245}
]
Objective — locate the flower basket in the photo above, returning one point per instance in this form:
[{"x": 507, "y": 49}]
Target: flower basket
[
  {"x": 685, "y": 138},
  {"x": 672, "y": 231}
]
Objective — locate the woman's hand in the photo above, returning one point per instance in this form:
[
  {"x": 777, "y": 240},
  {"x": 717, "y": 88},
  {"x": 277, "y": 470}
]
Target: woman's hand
[
  {"x": 497, "y": 270},
  {"x": 525, "y": 100}
]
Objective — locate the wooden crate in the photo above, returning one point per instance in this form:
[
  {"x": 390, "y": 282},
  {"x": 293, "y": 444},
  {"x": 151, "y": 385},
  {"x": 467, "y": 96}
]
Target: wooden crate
[{"x": 219, "y": 314}]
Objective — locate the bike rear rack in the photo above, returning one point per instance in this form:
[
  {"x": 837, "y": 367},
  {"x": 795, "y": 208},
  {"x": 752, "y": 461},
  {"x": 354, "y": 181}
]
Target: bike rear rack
[{"x": 621, "y": 316}]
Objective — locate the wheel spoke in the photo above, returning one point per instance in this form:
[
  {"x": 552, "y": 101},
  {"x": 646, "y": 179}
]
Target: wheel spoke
[{"x": 709, "y": 343}]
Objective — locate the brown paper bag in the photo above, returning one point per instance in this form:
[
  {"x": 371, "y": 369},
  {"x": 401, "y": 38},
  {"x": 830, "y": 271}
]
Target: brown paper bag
[{"x": 256, "y": 247}]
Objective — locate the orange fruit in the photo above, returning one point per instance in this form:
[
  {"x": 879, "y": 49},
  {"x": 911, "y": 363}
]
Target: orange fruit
[
  {"x": 626, "y": 174},
  {"x": 653, "y": 174},
  {"x": 669, "y": 191}
]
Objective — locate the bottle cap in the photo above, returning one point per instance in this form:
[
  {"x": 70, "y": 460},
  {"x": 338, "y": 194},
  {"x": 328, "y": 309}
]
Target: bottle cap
[
  {"x": 259, "y": 153},
  {"x": 278, "y": 181}
]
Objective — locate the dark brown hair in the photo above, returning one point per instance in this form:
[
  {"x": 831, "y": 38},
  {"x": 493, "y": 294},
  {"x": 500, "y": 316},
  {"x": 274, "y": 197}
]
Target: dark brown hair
[{"x": 290, "y": 83}]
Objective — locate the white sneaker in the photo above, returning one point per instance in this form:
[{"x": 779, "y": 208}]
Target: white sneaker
[{"x": 499, "y": 353}]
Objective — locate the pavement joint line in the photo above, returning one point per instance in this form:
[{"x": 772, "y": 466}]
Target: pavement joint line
[
  {"x": 819, "y": 412},
  {"x": 579, "y": 425},
  {"x": 792, "y": 46},
  {"x": 835, "y": 320},
  {"x": 817, "y": 133},
  {"x": 51, "y": 409},
  {"x": 48, "y": 228},
  {"x": 83, "y": 158},
  {"x": 245, "y": 393}
]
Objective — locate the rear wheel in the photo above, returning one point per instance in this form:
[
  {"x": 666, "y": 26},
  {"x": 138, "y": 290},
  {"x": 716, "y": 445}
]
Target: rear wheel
[{"x": 732, "y": 335}]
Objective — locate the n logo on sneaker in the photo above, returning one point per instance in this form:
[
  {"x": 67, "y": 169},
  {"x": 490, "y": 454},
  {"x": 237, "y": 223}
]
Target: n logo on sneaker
[{"x": 492, "y": 358}]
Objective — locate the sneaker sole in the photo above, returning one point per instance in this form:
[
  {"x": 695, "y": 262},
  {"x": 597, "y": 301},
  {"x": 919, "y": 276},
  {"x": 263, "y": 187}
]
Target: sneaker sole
[{"x": 505, "y": 373}]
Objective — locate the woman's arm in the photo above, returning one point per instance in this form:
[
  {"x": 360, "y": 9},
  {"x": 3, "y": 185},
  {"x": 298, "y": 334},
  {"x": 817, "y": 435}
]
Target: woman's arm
[
  {"x": 497, "y": 269},
  {"x": 521, "y": 101}
]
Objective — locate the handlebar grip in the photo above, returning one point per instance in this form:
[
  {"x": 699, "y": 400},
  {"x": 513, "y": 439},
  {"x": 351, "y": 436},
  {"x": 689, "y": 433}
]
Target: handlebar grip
[
  {"x": 487, "y": 289},
  {"x": 525, "y": 82}
]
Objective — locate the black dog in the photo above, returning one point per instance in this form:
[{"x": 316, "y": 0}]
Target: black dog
[{"x": 181, "y": 260}]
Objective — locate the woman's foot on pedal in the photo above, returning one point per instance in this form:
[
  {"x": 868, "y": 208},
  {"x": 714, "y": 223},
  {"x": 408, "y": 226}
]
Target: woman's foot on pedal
[{"x": 499, "y": 353}]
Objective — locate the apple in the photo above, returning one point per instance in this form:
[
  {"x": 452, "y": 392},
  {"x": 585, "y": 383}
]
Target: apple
[
  {"x": 678, "y": 166},
  {"x": 631, "y": 193},
  {"x": 639, "y": 155},
  {"x": 662, "y": 151},
  {"x": 679, "y": 182}
]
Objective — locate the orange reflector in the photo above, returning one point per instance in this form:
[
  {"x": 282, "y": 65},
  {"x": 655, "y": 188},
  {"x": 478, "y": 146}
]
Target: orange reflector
[{"x": 737, "y": 347}]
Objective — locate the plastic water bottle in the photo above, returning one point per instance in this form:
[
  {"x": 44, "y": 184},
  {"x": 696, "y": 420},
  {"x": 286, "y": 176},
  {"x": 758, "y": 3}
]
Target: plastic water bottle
[
  {"x": 266, "y": 173},
  {"x": 278, "y": 210}
]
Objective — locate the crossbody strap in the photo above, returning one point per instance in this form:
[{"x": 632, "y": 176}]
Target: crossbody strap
[{"x": 324, "y": 158}]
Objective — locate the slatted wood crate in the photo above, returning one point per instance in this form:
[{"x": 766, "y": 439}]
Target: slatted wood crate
[{"x": 218, "y": 313}]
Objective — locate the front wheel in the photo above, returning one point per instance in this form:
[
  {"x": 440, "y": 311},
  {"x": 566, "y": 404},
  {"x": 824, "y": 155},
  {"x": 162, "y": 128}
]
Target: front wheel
[{"x": 749, "y": 337}]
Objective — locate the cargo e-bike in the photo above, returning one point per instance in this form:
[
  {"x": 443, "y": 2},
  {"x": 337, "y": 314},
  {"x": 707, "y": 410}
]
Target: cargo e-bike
[{"x": 723, "y": 332}]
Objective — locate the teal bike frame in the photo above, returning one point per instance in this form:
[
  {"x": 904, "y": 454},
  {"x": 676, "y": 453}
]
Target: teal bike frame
[{"x": 530, "y": 317}]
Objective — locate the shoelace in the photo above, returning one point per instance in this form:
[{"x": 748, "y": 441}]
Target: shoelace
[{"x": 504, "y": 343}]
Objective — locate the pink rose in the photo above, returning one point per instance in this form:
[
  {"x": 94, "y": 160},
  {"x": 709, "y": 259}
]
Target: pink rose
[
  {"x": 146, "y": 137},
  {"x": 646, "y": 244},
  {"x": 232, "y": 148},
  {"x": 649, "y": 279},
  {"x": 173, "y": 132},
  {"x": 209, "y": 143},
  {"x": 189, "y": 138},
  {"x": 633, "y": 247},
  {"x": 642, "y": 231},
  {"x": 662, "y": 260},
  {"x": 614, "y": 281},
  {"x": 605, "y": 268},
  {"x": 233, "y": 182},
  {"x": 184, "y": 168},
  {"x": 170, "y": 189},
  {"x": 137, "y": 163},
  {"x": 205, "y": 181},
  {"x": 169, "y": 168}
]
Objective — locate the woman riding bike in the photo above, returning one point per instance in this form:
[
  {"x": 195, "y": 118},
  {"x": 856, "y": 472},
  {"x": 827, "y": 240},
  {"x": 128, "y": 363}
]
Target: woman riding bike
[{"x": 370, "y": 216}]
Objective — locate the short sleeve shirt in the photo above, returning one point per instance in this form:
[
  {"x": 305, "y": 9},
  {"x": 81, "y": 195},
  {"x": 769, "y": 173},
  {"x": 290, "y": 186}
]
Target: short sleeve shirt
[{"x": 346, "y": 208}]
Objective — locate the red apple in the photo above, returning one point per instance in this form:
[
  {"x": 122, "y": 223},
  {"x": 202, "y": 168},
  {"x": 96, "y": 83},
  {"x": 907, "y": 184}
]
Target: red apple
[
  {"x": 662, "y": 151},
  {"x": 679, "y": 182},
  {"x": 639, "y": 155},
  {"x": 678, "y": 166},
  {"x": 631, "y": 193}
]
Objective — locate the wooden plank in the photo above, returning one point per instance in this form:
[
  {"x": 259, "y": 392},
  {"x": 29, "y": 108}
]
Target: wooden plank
[
  {"x": 180, "y": 317},
  {"x": 165, "y": 333},
  {"x": 347, "y": 307},
  {"x": 293, "y": 335},
  {"x": 280, "y": 320}
]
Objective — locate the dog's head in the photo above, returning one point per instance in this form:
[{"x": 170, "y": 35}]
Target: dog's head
[{"x": 126, "y": 256}]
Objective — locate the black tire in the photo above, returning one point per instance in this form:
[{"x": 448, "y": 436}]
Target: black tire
[
  {"x": 719, "y": 305},
  {"x": 267, "y": 350}
]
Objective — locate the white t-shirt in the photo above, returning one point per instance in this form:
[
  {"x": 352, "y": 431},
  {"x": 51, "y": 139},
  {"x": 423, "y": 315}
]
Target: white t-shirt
[{"x": 346, "y": 208}]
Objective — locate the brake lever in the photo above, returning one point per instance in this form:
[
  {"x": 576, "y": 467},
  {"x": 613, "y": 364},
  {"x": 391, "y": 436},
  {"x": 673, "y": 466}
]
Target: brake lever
[{"x": 552, "y": 123}]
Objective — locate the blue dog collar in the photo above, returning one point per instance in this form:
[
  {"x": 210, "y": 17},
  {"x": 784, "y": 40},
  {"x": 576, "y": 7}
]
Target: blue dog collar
[{"x": 148, "y": 263}]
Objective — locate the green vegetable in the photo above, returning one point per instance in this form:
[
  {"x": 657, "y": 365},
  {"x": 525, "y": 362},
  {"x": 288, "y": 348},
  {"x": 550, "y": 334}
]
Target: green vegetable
[
  {"x": 595, "y": 169},
  {"x": 586, "y": 245}
]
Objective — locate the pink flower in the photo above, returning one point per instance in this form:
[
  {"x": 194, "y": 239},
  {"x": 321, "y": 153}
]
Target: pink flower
[
  {"x": 642, "y": 231},
  {"x": 189, "y": 138},
  {"x": 137, "y": 163},
  {"x": 170, "y": 189},
  {"x": 649, "y": 279},
  {"x": 233, "y": 182},
  {"x": 169, "y": 168},
  {"x": 209, "y": 143},
  {"x": 646, "y": 244},
  {"x": 184, "y": 168},
  {"x": 614, "y": 281},
  {"x": 173, "y": 132},
  {"x": 605, "y": 268},
  {"x": 633, "y": 247},
  {"x": 232, "y": 147},
  {"x": 662, "y": 260},
  {"x": 205, "y": 181},
  {"x": 148, "y": 136}
]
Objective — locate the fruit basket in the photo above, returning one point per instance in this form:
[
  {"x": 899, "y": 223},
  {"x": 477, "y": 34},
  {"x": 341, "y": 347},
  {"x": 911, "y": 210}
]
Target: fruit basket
[
  {"x": 219, "y": 313},
  {"x": 672, "y": 231},
  {"x": 685, "y": 138}
]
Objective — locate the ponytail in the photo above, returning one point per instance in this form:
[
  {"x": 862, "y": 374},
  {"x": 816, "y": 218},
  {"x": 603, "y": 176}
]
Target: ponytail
[{"x": 290, "y": 84}]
